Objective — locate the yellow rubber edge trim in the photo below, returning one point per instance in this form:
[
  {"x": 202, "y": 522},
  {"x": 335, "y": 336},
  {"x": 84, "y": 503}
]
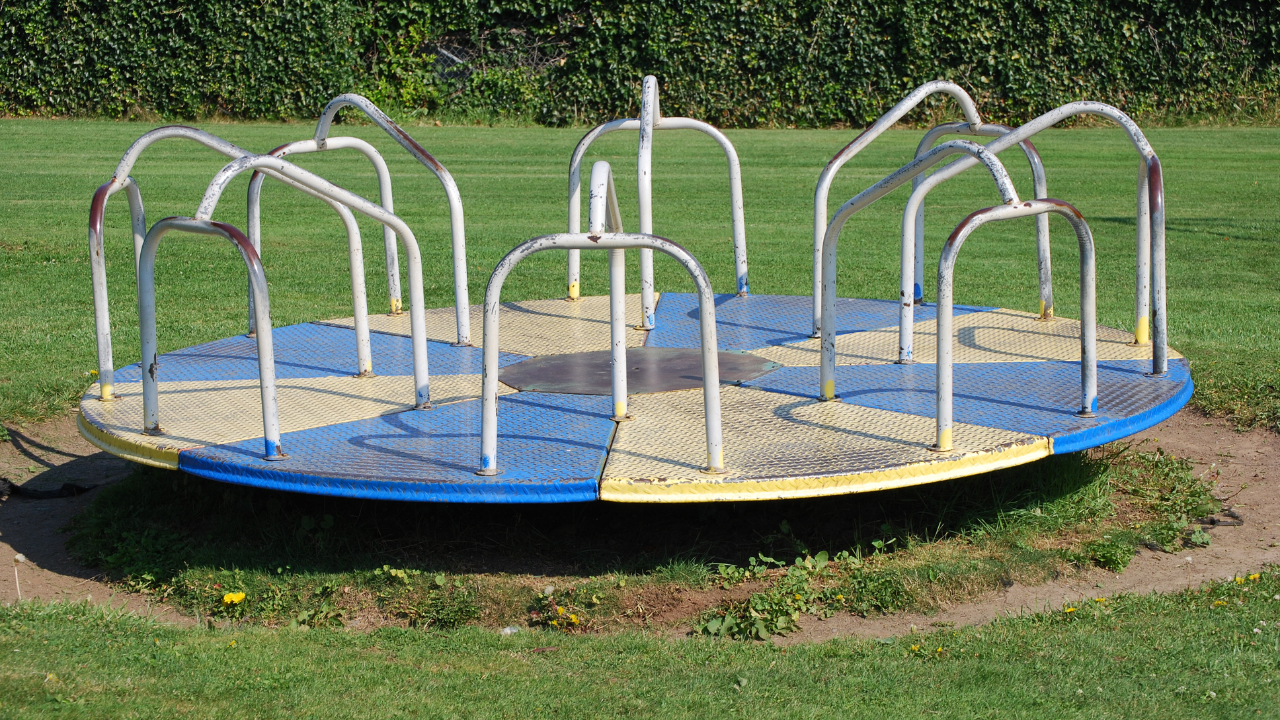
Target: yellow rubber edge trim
[
  {"x": 145, "y": 454},
  {"x": 624, "y": 490}
]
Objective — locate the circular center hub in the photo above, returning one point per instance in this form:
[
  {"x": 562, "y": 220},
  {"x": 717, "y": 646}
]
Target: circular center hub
[{"x": 649, "y": 370}]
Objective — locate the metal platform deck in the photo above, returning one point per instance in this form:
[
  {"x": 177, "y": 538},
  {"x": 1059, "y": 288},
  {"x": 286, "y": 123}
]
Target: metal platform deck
[{"x": 1016, "y": 400}]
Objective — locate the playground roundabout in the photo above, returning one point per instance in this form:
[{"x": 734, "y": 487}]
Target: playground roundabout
[
  {"x": 1017, "y": 384},
  {"x": 649, "y": 397}
]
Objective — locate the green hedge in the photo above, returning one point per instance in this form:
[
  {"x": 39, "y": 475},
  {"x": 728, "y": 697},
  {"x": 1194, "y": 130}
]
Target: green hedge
[{"x": 744, "y": 63}]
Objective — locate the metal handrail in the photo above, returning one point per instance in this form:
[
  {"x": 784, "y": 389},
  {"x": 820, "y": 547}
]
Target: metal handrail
[
  {"x": 886, "y": 121},
  {"x": 120, "y": 180},
  {"x": 1150, "y": 284},
  {"x": 1088, "y": 305},
  {"x": 457, "y": 233},
  {"x": 603, "y": 216},
  {"x": 913, "y": 215},
  {"x": 254, "y": 225},
  {"x": 831, "y": 240},
  {"x": 602, "y": 241},
  {"x": 649, "y": 121},
  {"x": 147, "y": 326},
  {"x": 320, "y": 186}
]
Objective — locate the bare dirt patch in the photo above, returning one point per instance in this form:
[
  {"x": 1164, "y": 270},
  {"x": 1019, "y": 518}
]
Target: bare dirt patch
[
  {"x": 1249, "y": 476},
  {"x": 46, "y": 455}
]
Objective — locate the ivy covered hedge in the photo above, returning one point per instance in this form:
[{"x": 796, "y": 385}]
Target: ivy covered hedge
[{"x": 733, "y": 62}]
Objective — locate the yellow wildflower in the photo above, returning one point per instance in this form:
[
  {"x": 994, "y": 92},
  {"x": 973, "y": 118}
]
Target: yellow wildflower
[
  {"x": 1255, "y": 576},
  {"x": 573, "y": 619},
  {"x": 1099, "y": 599},
  {"x": 839, "y": 597},
  {"x": 1239, "y": 581},
  {"x": 939, "y": 649},
  {"x": 234, "y": 598},
  {"x": 915, "y": 648},
  {"x": 797, "y": 596},
  {"x": 559, "y": 610},
  {"x": 1068, "y": 610},
  {"x": 1219, "y": 603},
  {"x": 556, "y": 623}
]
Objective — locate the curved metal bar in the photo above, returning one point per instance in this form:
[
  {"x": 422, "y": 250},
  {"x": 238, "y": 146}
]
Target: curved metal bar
[
  {"x": 606, "y": 241},
  {"x": 384, "y": 198},
  {"x": 147, "y": 326},
  {"x": 355, "y": 250},
  {"x": 98, "y": 271},
  {"x": 574, "y": 277},
  {"x": 1088, "y": 305},
  {"x": 461, "y": 301},
  {"x": 1039, "y": 184},
  {"x": 831, "y": 240},
  {"x": 847, "y": 153},
  {"x": 1149, "y": 225},
  {"x": 912, "y": 227},
  {"x": 318, "y": 185},
  {"x": 604, "y": 216},
  {"x": 649, "y": 109}
]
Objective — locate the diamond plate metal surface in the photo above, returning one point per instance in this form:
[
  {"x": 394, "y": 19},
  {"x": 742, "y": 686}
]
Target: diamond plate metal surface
[
  {"x": 1041, "y": 398},
  {"x": 980, "y": 337},
  {"x": 550, "y": 449},
  {"x": 195, "y": 414},
  {"x": 527, "y": 327},
  {"x": 757, "y": 321},
  {"x": 770, "y": 436},
  {"x": 308, "y": 350}
]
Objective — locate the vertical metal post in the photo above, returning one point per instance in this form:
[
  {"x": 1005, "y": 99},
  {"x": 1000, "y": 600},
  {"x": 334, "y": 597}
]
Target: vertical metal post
[
  {"x": 603, "y": 216},
  {"x": 1142, "y": 282},
  {"x": 1159, "y": 314},
  {"x": 649, "y": 115}
]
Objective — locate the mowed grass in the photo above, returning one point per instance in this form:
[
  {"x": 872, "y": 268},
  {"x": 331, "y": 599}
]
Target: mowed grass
[
  {"x": 1222, "y": 221},
  {"x": 1209, "y": 652}
]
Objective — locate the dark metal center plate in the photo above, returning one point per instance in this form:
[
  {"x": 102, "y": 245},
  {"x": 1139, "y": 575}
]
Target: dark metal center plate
[{"x": 649, "y": 370}]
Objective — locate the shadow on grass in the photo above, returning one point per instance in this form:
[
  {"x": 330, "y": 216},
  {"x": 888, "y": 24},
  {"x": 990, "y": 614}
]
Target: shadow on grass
[{"x": 160, "y": 522}]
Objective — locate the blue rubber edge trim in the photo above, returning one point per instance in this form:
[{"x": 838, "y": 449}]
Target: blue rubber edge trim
[
  {"x": 1105, "y": 433},
  {"x": 583, "y": 490}
]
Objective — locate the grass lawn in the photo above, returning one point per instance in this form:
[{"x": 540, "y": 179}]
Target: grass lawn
[
  {"x": 1221, "y": 217},
  {"x": 1209, "y": 653}
]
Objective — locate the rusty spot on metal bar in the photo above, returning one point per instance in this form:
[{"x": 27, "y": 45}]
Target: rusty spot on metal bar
[
  {"x": 1063, "y": 204},
  {"x": 97, "y": 209},
  {"x": 845, "y": 149},
  {"x": 965, "y": 223},
  {"x": 1155, "y": 184},
  {"x": 425, "y": 156}
]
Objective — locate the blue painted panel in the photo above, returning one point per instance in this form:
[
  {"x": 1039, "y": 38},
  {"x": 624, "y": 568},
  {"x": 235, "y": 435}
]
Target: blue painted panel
[
  {"x": 551, "y": 448},
  {"x": 308, "y": 351},
  {"x": 757, "y": 321},
  {"x": 1039, "y": 398}
]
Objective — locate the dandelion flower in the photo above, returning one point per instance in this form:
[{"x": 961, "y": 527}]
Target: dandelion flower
[
  {"x": 1068, "y": 610},
  {"x": 556, "y": 623},
  {"x": 1099, "y": 599},
  {"x": 573, "y": 619},
  {"x": 839, "y": 597},
  {"x": 798, "y": 596},
  {"x": 234, "y": 598},
  {"x": 914, "y": 648},
  {"x": 1239, "y": 581},
  {"x": 559, "y": 610},
  {"x": 939, "y": 649},
  {"x": 1254, "y": 577}
]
